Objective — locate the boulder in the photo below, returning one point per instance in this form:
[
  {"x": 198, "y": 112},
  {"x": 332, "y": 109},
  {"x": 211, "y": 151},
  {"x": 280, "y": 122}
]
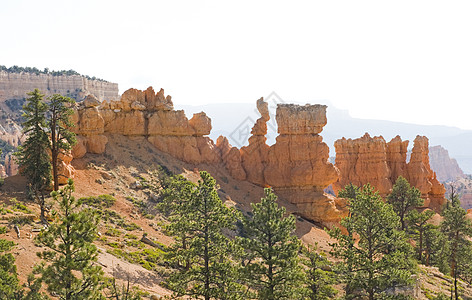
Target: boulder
[
  {"x": 80, "y": 148},
  {"x": 91, "y": 122},
  {"x": 96, "y": 144},
  {"x": 200, "y": 123},
  {"x": 91, "y": 101}
]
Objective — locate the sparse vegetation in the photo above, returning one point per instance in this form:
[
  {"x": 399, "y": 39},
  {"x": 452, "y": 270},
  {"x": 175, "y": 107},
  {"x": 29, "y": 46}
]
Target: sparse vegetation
[
  {"x": 70, "y": 272},
  {"x": 36, "y": 71},
  {"x": 102, "y": 201}
]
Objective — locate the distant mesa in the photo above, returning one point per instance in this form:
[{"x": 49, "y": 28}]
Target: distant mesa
[
  {"x": 15, "y": 82},
  {"x": 446, "y": 168}
]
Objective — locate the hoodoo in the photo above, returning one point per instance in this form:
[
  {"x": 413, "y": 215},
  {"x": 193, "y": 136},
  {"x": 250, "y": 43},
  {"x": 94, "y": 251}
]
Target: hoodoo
[{"x": 296, "y": 166}]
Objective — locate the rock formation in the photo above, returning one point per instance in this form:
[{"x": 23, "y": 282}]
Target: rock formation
[
  {"x": 372, "y": 160},
  {"x": 446, "y": 168},
  {"x": 16, "y": 85},
  {"x": 361, "y": 161},
  {"x": 11, "y": 133},
  {"x": 11, "y": 167},
  {"x": 296, "y": 166},
  {"x": 149, "y": 114}
]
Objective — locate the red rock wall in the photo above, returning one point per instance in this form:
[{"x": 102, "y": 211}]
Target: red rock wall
[
  {"x": 372, "y": 160},
  {"x": 296, "y": 166}
]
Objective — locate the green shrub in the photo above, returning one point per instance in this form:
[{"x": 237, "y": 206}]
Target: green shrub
[
  {"x": 147, "y": 258},
  {"x": 21, "y": 220},
  {"x": 131, "y": 236},
  {"x": 102, "y": 201},
  {"x": 19, "y": 207},
  {"x": 113, "y": 232},
  {"x": 115, "y": 245},
  {"x": 135, "y": 243}
]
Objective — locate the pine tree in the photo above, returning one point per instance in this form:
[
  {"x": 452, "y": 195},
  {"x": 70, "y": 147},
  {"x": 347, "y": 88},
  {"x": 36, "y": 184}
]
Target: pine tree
[
  {"x": 33, "y": 157},
  {"x": 458, "y": 230},
  {"x": 403, "y": 198},
  {"x": 418, "y": 223},
  {"x": 70, "y": 272},
  {"x": 350, "y": 193},
  {"x": 318, "y": 278},
  {"x": 59, "y": 124},
  {"x": 201, "y": 254},
  {"x": 271, "y": 264},
  {"x": 125, "y": 292},
  {"x": 381, "y": 259},
  {"x": 9, "y": 287}
]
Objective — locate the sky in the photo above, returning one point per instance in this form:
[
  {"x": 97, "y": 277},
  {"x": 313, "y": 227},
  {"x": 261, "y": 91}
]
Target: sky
[{"x": 407, "y": 61}]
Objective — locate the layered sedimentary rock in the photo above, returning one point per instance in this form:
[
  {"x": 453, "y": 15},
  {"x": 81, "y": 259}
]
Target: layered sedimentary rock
[
  {"x": 16, "y": 85},
  {"x": 255, "y": 155},
  {"x": 296, "y": 166},
  {"x": 361, "y": 161},
  {"x": 149, "y": 114},
  {"x": 11, "y": 133},
  {"x": 396, "y": 158},
  {"x": 372, "y": 160},
  {"x": 231, "y": 158},
  {"x": 446, "y": 168}
]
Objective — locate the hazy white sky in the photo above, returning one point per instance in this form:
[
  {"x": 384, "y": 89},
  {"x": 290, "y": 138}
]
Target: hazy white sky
[{"x": 406, "y": 61}]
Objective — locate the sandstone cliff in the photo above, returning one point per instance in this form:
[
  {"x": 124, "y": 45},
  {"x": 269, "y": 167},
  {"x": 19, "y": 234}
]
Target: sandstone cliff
[
  {"x": 374, "y": 161},
  {"x": 446, "y": 168},
  {"x": 16, "y": 85}
]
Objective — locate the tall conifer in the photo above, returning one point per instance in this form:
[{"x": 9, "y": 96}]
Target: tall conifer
[
  {"x": 272, "y": 267},
  {"x": 33, "y": 156}
]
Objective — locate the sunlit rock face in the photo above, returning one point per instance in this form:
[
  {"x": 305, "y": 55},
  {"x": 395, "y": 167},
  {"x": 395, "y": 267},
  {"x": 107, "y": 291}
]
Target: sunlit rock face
[
  {"x": 372, "y": 160},
  {"x": 296, "y": 166}
]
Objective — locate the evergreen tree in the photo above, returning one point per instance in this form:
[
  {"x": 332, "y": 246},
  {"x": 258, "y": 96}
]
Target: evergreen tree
[
  {"x": 121, "y": 293},
  {"x": 9, "y": 284},
  {"x": 458, "y": 230},
  {"x": 418, "y": 226},
  {"x": 350, "y": 193},
  {"x": 59, "y": 124},
  {"x": 382, "y": 257},
  {"x": 70, "y": 272},
  {"x": 201, "y": 254},
  {"x": 403, "y": 198},
  {"x": 318, "y": 278},
  {"x": 436, "y": 248},
  {"x": 271, "y": 263},
  {"x": 9, "y": 287},
  {"x": 33, "y": 157}
]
